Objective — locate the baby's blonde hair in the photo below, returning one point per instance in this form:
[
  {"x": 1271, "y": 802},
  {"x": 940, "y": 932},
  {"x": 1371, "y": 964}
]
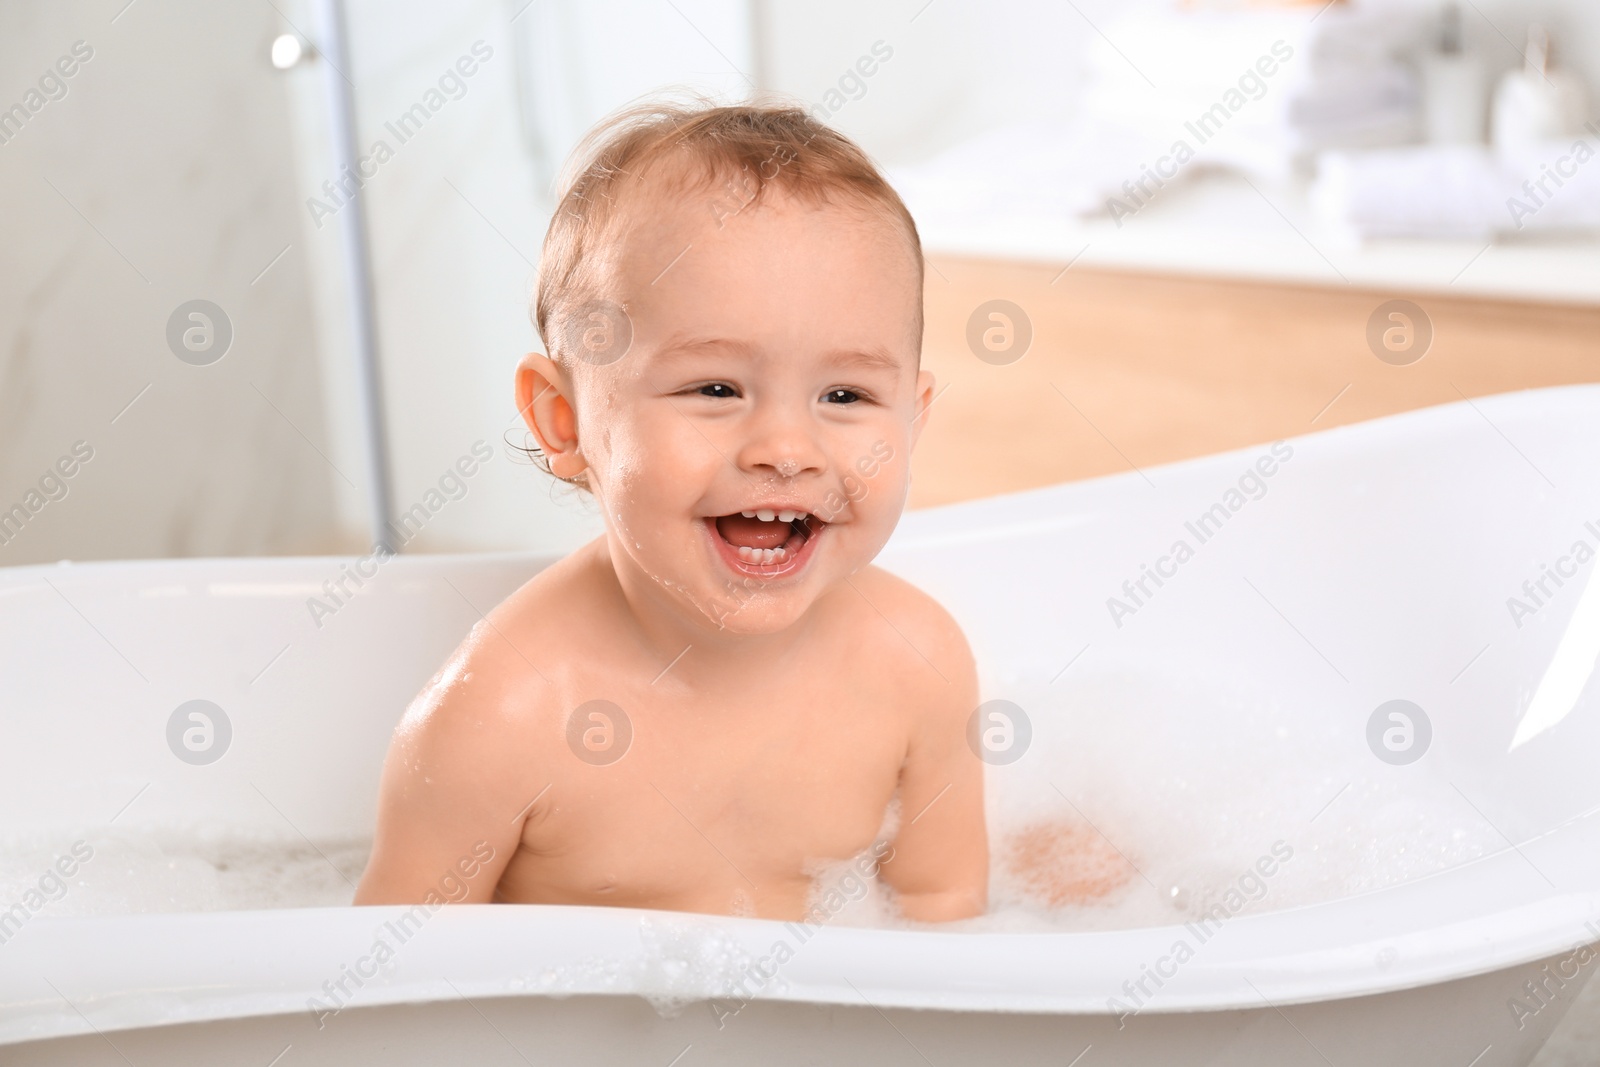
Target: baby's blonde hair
[{"x": 739, "y": 151}]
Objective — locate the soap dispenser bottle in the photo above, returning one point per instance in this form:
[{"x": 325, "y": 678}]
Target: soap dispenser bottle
[
  {"x": 1538, "y": 103},
  {"x": 1455, "y": 88}
]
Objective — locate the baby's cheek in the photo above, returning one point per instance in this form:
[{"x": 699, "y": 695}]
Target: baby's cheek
[
  {"x": 881, "y": 483},
  {"x": 629, "y": 467},
  {"x": 875, "y": 461}
]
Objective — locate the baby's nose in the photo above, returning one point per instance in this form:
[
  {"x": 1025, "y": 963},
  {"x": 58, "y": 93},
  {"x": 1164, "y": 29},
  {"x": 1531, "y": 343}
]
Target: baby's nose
[{"x": 784, "y": 446}]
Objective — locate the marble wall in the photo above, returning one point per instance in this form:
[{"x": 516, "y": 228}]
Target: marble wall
[
  {"x": 155, "y": 174},
  {"x": 457, "y": 216}
]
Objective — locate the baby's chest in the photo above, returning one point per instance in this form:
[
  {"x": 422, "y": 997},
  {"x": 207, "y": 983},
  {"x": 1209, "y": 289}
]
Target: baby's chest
[{"x": 730, "y": 809}]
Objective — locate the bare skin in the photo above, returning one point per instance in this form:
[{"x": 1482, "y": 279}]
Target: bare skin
[{"x": 778, "y": 704}]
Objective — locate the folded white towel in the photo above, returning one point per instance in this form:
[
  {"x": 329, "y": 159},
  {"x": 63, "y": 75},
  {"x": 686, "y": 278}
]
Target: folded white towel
[
  {"x": 1039, "y": 169},
  {"x": 1461, "y": 191},
  {"x": 1305, "y": 80},
  {"x": 1174, "y": 46},
  {"x": 1346, "y": 94}
]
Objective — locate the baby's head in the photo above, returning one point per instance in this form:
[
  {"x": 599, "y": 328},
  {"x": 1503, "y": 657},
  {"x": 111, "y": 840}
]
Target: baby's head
[{"x": 731, "y": 302}]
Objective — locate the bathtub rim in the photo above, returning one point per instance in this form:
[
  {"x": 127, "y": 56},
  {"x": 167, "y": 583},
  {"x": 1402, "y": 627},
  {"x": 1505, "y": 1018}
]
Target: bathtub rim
[{"x": 1271, "y": 959}]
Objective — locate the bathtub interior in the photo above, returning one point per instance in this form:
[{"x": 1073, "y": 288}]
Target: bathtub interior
[
  {"x": 1230, "y": 709},
  {"x": 1227, "y": 711}
]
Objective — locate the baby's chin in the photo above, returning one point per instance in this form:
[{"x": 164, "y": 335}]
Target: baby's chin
[
  {"x": 732, "y": 605},
  {"x": 770, "y": 615},
  {"x": 736, "y": 608}
]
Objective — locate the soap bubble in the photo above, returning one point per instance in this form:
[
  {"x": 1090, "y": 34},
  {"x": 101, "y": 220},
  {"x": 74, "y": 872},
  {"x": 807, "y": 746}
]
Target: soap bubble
[{"x": 1170, "y": 776}]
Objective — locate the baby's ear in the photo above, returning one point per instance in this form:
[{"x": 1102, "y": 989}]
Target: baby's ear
[
  {"x": 545, "y": 407},
  {"x": 919, "y": 421}
]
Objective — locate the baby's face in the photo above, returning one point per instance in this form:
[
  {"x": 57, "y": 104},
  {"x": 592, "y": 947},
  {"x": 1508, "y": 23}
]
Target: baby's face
[{"x": 752, "y": 448}]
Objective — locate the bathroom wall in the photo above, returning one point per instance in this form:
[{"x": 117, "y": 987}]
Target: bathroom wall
[
  {"x": 157, "y": 173},
  {"x": 179, "y": 165},
  {"x": 957, "y": 68},
  {"x": 954, "y": 69},
  {"x": 458, "y": 216},
  {"x": 963, "y": 68}
]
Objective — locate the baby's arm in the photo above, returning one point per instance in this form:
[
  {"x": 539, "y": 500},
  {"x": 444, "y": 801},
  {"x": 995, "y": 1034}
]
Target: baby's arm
[
  {"x": 939, "y": 867},
  {"x": 448, "y": 806}
]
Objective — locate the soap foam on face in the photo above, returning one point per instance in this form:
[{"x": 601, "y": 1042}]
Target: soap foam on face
[{"x": 1145, "y": 798}]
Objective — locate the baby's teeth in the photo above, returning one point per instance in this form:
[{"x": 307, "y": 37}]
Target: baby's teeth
[
  {"x": 787, "y": 516},
  {"x": 765, "y": 515},
  {"x": 748, "y": 514},
  {"x": 763, "y": 557}
]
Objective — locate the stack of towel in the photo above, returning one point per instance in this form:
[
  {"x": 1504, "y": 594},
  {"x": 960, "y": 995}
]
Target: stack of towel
[
  {"x": 1268, "y": 93},
  {"x": 1262, "y": 91},
  {"x": 1464, "y": 192},
  {"x": 1174, "y": 89}
]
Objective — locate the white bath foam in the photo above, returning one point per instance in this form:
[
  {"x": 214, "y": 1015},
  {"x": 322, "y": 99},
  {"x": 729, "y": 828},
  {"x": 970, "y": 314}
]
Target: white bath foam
[
  {"x": 679, "y": 961},
  {"x": 1176, "y": 783},
  {"x": 198, "y": 868},
  {"x": 847, "y": 892},
  {"x": 686, "y": 960},
  {"x": 1194, "y": 787}
]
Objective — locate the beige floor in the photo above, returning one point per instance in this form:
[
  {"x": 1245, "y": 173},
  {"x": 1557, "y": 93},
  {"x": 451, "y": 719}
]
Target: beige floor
[{"x": 1144, "y": 369}]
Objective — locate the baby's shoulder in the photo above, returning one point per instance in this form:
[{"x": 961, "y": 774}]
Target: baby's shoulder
[
  {"x": 920, "y": 631},
  {"x": 502, "y": 681}
]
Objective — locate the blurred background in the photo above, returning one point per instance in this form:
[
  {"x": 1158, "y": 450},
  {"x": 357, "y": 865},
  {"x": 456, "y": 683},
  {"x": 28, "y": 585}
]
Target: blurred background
[{"x": 1198, "y": 219}]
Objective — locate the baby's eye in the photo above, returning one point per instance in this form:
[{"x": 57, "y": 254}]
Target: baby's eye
[
  {"x": 841, "y": 396},
  {"x": 720, "y": 390}
]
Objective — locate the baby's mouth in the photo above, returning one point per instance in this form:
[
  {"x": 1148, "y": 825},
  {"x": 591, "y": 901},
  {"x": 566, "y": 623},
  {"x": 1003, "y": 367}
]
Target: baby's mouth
[{"x": 766, "y": 538}]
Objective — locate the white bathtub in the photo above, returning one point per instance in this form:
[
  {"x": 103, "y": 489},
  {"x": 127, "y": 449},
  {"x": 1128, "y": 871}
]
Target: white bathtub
[{"x": 1376, "y": 566}]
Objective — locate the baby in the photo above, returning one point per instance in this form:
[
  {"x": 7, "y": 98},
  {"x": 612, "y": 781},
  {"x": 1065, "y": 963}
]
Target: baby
[{"x": 720, "y": 696}]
